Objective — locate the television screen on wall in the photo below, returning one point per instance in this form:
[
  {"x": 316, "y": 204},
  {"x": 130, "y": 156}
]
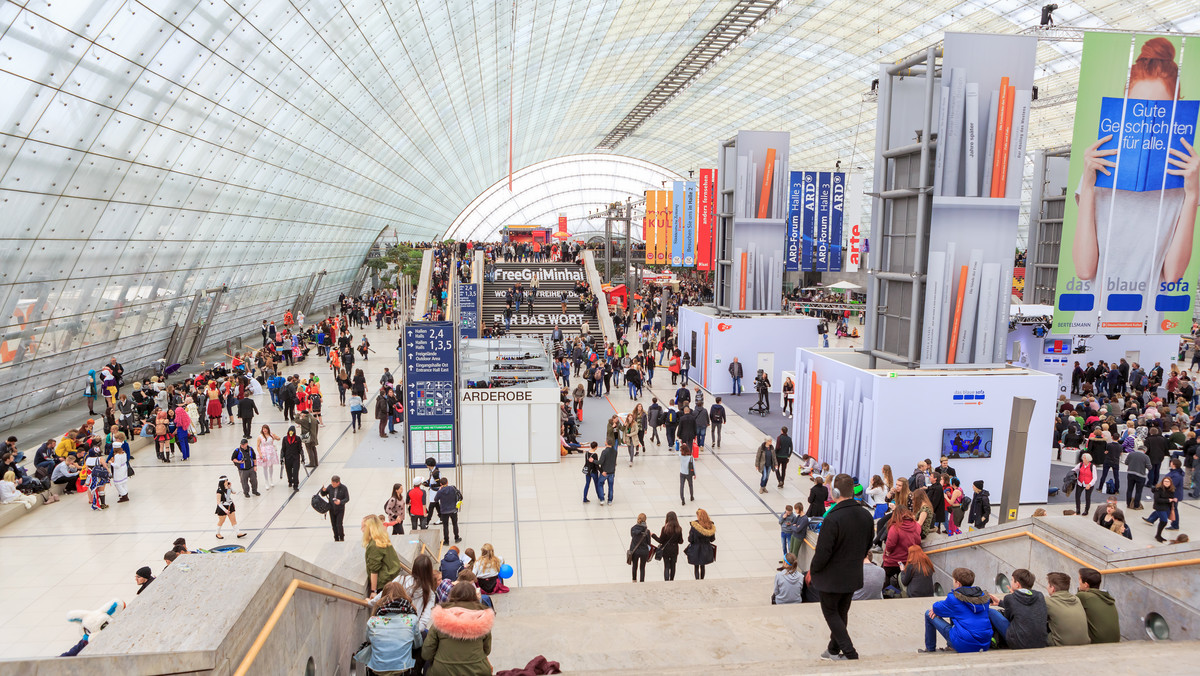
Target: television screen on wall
[
  {"x": 967, "y": 442},
  {"x": 1056, "y": 346}
]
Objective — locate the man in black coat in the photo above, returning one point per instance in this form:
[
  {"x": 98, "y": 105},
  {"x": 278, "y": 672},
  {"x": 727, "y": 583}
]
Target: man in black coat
[
  {"x": 608, "y": 471},
  {"x": 246, "y": 410},
  {"x": 685, "y": 430},
  {"x": 1112, "y": 463},
  {"x": 836, "y": 570},
  {"x": 338, "y": 496}
]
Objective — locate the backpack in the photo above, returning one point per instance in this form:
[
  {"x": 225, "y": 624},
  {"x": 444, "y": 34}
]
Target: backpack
[{"x": 320, "y": 503}]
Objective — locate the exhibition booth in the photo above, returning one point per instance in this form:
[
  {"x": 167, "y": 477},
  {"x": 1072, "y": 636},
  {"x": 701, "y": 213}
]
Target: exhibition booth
[
  {"x": 508, "y": 402},
  {"x": 766, "y": 342},
  {"x": 1057, "y": 354},
  {"x": 859, "y": 419}
]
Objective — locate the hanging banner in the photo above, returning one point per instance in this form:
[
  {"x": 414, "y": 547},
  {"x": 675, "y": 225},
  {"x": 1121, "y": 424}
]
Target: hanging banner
[
  {"x": 650, "y": 225},
  {"x": 704, "y": 219},
  {"x": 712, "y": 220},
  {"x": 837, "y": 206},
  {"x": 677, "y": 202},
  {"x": 689, "y": 224},
  {"x": 791, "y": 251},
  {"x": 808, "y": 219},
  {"x": 662, "y": 252},
  {"x": 854, "y": 224},
  {"x": 822, "y": 236},
  {"x": 1128, "y": 260}
]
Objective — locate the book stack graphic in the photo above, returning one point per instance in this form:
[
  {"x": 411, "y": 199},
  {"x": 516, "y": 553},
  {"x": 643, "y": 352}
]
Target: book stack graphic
[
  {"x": 1144, "y": 131},
  {"x": 963, "y": 146}
]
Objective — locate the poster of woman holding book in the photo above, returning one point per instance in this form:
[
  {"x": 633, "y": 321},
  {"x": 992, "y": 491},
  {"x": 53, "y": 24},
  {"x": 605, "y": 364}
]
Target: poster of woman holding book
[{"x": 1132, "y": 251}]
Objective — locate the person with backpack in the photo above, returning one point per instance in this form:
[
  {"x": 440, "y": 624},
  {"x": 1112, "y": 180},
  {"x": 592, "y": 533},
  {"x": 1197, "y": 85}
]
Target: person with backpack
[
  {"x": 716, "y": 418},
  {"x": 448, "y": 499}
]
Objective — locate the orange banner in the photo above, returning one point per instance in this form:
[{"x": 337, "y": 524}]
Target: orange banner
[
  {"x": 814, "y": 418},
  {"x": 650, "y": 230}
]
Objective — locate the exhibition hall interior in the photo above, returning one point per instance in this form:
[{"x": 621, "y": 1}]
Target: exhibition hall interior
[{"x": 382, "y": 337}]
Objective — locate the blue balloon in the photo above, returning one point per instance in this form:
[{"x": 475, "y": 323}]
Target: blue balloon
[{"x": 506, "y": 571}]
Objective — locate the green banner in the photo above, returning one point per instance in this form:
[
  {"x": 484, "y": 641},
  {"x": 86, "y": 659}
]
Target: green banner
[{"x": 1128, "y": 258}]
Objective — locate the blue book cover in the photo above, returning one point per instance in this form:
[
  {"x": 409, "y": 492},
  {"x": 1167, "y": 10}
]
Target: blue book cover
[{"x": 1145, "y": 130}]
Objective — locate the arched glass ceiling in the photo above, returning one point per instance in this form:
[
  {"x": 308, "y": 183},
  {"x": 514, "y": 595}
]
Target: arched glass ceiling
[{"x": 574, "y": 185}]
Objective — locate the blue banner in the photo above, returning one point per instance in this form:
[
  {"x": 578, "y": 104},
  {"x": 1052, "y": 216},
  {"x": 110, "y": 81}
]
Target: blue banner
[
  {"x": 677, "y": 224},
  {"x": 822, "y": 241},
  {"x": 837, "y": 208},
  {"x": 468, "y": 310},
  {"x": 429, "y": 398},
  {"x": 808, "y": 218},
  {"x": 791, "y": 253},
  {"x": 689, "y": 225}
]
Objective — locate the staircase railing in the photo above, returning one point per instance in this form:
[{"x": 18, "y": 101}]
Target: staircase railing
[{"x": 594, "y": 281}]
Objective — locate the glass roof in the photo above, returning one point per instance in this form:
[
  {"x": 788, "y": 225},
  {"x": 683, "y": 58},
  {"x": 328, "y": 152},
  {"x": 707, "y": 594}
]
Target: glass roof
[{"x": 574, "y": 186}]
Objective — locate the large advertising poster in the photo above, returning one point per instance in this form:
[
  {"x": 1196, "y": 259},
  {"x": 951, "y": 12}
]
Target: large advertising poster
[
  {"x": 650, "y": 231},
  {"x": 1128, "y": 261},
  {"x": 662, "y": 252},
  {"x": 791, "y": 249},
  {"x": 704, "y": 221},
  {"x": 689, "y": 224},
  {"x": 837, "y": 205},
  {"x": 823, "y": 235},
  {"x": 855, "y": 233},
  {"x": 677, "y": 201},
  {"x": 808, "y": 218}
]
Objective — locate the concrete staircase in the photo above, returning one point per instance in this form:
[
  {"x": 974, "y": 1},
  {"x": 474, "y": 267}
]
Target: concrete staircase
[
  {"x": 728, "y": 626},
  {"x": 554, "y": 279}
]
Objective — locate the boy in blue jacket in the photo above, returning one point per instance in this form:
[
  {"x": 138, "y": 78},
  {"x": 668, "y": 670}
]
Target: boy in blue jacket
[{"x": 962, "y": 618}]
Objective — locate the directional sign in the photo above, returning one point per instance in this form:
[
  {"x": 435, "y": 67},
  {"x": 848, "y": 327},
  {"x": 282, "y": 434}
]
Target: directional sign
[
  {"x": 429, "y": 392},
  {"x": 468, "y": 310}
]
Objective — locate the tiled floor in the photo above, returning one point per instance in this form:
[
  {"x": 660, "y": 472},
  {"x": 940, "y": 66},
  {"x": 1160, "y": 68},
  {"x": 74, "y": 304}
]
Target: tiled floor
[{"x": 64, "y": 556}]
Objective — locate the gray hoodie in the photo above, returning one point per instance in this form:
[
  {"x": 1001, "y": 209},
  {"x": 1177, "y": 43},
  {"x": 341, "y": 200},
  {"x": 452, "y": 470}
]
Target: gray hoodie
[
  {"x": 1137, "y": 463},
  {"x": 789, "y": 587}
]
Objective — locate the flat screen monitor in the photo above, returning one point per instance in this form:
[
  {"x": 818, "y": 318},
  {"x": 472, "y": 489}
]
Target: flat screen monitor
[
  {"x": 967, "y": 442},
  {"x": 1056, "y": 345}
]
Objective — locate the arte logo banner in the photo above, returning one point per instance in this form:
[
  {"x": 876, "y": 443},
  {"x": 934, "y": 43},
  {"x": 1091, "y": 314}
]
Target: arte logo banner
[
  {"x": 855, "y": 232},
  {"x": 1128, "y": 259}
]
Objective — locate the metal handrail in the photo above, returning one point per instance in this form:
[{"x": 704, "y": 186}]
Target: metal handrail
[
  {"x": 269, "y": 626},
  {"x": 1009, "y": 536},
  {"x": 273, "y": 619}
]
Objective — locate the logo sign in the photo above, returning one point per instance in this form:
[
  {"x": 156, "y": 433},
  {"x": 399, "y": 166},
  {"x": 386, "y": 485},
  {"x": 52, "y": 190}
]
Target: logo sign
[
  {"x": 723, "y": 326},
  {"x": 968, "y": 397},
  {"x": 542, "y": 395},
  {"x": 555, "y": 274},
  {"x": 429, "y": 392}
]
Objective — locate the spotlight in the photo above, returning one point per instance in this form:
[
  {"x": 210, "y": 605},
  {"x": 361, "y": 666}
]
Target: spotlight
[
  {"x": 1048, "y": 15},
  {"x": 1035, "y": 92},
  {"x": 875, "y": 85}
]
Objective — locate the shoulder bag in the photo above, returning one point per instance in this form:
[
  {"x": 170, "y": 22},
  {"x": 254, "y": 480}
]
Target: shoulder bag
[{"x": 629, "y": 552}]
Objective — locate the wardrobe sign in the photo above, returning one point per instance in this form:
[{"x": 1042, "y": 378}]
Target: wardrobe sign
[{"x": 542, "y": 395}]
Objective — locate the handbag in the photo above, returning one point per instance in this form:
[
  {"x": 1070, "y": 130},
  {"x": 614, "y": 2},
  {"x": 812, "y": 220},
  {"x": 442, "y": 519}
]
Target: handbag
[
  {"x": 191, "y": 438},
  {"x": 629, "y": 552}
]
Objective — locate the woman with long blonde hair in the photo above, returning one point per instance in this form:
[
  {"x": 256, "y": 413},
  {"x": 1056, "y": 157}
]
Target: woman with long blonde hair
[
  {"x": 383, "y": 563},
  {"x": 888, "y": 481},
  {"x": 487, "y": 569}
]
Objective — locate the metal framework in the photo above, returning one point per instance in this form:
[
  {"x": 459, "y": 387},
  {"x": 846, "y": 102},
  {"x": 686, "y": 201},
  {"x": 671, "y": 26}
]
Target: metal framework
[
  {"x": 1045, "y": 231},
  {"x": 746, "y": 17}
]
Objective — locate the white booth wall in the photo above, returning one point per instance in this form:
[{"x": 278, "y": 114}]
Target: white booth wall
[
  {"x": 872, "y": 418},
  {"x": 509, "y": 425},
  {"x": 758, "y": 342},
  {"x": 1028, "y": 351}
]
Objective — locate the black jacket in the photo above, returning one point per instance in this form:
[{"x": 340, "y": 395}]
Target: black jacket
[
  {"x": 686, "y": 431},
  {"x": 247, "y": 409},
  {"x": 608, "y": 460},
  {"x": 591, "y": 462},
  {"x": 1156, "y": 448},
  {"x": 291, "y": 447},
  {"x": 843, "y": 542},
  {"x": 639, "y": 540},
  {"x": 669, "y": 542},
  {"x": 816, "y": 504},
  {"x": 1112, "y": 453},
  {"x": 783, "y": 448},
  {"x": 339, "y": 492},
  {"x": 937, "y": 500},
  {"x": 981, "y": 509},
  {"x": 716, "y": 414},
  {"x": 1026, "y": 613}
]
